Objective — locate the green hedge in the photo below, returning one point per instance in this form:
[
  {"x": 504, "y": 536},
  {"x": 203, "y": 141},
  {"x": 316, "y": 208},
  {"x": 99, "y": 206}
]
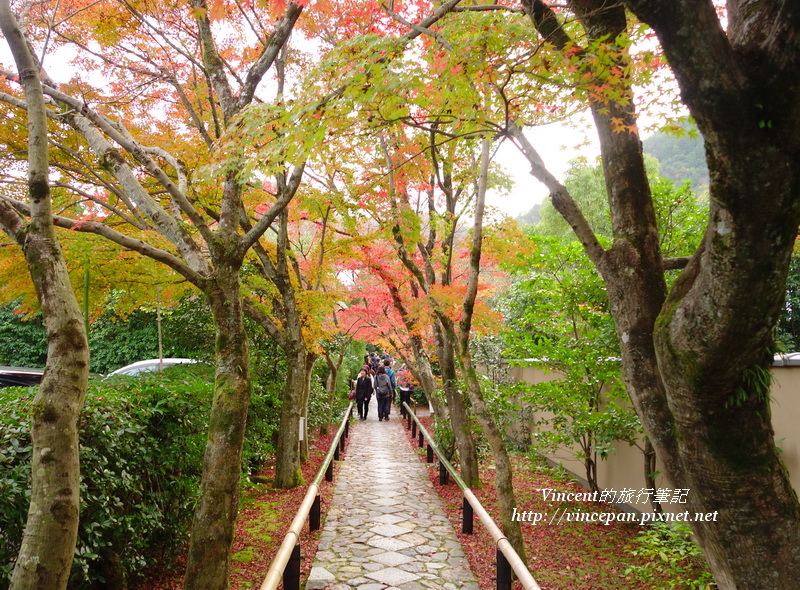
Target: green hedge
[{"x": 142, "y": 441}]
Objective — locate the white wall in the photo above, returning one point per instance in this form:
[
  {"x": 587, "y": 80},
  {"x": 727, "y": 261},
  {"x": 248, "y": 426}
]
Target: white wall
[{"x": 625, "y": 467}]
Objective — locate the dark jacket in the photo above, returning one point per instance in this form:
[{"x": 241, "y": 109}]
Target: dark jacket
[
  {"x": 364, "y": 387},
  {"x": 383, "y": 385}
]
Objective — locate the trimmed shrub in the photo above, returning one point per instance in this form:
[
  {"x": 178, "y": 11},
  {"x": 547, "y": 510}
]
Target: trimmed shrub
[{"x": 141, "y": 447}]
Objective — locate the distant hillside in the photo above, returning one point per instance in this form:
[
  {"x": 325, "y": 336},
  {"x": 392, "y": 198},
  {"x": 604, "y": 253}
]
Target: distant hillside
[
  {"x": 681, "y": 157},
  {"x": 531, "y": 217}
]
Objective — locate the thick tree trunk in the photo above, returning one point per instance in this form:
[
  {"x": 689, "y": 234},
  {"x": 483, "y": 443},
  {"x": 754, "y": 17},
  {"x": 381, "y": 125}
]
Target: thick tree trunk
[
  {"x": 213, "y": 526},
  {"x": 51, "y": 529},
  {"x": 714, "y": 336},
  {"x": 697, "y": 372},
  {"x": 713, "y": 341}
]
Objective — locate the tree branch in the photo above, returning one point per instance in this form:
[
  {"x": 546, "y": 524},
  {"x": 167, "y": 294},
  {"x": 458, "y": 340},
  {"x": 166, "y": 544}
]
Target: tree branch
[{"x": 275, "y": 43}]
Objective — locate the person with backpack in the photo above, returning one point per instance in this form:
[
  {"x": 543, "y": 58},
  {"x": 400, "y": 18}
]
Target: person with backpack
[{"x": 383, "y": 391}]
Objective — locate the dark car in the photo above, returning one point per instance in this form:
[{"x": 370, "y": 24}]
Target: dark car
[{"x": 20, "y": 376}]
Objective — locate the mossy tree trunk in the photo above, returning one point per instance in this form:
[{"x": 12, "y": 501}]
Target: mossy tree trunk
[
  {"x": 457, "y": 409},
  {"x": 287, "y": 454},
  {"x": 51, "y": 529},
  {"x": 214, "y": 521},
  {"x": 696, "y": 361}
]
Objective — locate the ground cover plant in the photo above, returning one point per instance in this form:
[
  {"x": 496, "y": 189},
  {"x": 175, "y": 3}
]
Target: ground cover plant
[{"x": 572, "y": 556}]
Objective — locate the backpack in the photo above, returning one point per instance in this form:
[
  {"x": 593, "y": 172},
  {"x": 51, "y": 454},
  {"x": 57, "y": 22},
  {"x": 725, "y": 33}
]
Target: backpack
[{"x": 383, "y": 386}]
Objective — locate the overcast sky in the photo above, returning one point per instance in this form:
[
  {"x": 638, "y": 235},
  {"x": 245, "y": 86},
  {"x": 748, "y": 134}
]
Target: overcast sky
[{"x": 557, "y": 144}]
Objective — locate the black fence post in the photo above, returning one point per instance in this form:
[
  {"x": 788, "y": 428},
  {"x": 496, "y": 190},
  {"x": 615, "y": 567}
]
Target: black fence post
[
  {"x": 315, "y": 514},
  {"x": 291, "y": 575},
  {"x": 336, "y": 452},
  {"x": 444, "y": 475},
  {"x": 421, "y": 440},
  {"x": 503, "y": 572},
  {"x": 342, "y": 443},
  {"x": 430, "y": 453},
  {"x": 467, "y": 517},
  {"x": 329, "y": 472},
  {"x": 413, "y": 428}
]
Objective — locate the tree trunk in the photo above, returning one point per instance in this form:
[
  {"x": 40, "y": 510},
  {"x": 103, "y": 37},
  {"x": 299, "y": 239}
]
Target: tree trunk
[
  {"x": 504, "y": 473},
  {"x": 330, "y": 394},
  {"x": 334, "y": 361},
  {"x": 457, "y": 410},
  {"x": 650, "y": 467},
  {"x": 51, "y": 529},
  {"x": 309, "y": 371},
  {"x": 287, "y": 454},
  {"x": 48, "y": 544},
  {"x": 213, "y": 526},
  {"x": 428, "y": 380},
  {"x": 714, "y": 335},
  {"x": 698, "y": 375}
]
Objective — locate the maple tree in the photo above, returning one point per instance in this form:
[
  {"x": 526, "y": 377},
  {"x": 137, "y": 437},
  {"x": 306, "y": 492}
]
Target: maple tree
[
  {"x": 148, "y": 193},
  {"x": 695, "y": 356},
  {"x": 51, "y": 528}
]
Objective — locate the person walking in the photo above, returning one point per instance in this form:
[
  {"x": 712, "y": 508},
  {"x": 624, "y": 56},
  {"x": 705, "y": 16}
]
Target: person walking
[
  {"x": 383, "y": 391},
  {"x": 387, "y": 366},
  {"x": 364, "y": 390}
]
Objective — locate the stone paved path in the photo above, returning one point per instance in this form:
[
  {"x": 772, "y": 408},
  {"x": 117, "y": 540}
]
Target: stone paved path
[{"x": 386, "y": 528}]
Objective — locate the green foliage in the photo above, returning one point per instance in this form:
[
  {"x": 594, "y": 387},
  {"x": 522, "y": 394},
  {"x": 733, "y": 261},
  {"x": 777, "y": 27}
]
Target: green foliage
[
  {"x": 532, "y": 217},
  {"x": 671, "y": 554},
  {"x": 587, "y": 186},
  {"x": 141, "y": 446},
  {"x": 680, "y": 216},
  {"x": 187, "y": 331},
  {"x": 681, "y": 154},
  {"x": 788, "y": 335},
  {"x": 23, "y": 341},
  {"x": 558, "y": 315},
  {"x": 320, "y": 408},
  {"x": 142, "y": 442},
  {"x": 268, "y": 375}
]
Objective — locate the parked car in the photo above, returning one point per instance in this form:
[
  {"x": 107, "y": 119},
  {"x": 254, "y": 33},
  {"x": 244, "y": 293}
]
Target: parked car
[
  {"x": 20, "y": 376},
  {"x": 150, "y": 365}
]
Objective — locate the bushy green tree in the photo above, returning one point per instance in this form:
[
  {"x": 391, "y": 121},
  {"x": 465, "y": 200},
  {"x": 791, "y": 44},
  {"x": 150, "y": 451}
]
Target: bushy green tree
[
  {"x": 120, "y": 339},
  {"x": 23, "y": 340},
  {"x": 558, "y": 317},
  {"x": 680, "y": 213}
]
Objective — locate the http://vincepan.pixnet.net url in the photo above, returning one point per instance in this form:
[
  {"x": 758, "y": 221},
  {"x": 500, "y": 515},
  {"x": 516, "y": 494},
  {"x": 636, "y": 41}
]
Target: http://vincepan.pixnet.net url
[{"x": 561, "y": 514}]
